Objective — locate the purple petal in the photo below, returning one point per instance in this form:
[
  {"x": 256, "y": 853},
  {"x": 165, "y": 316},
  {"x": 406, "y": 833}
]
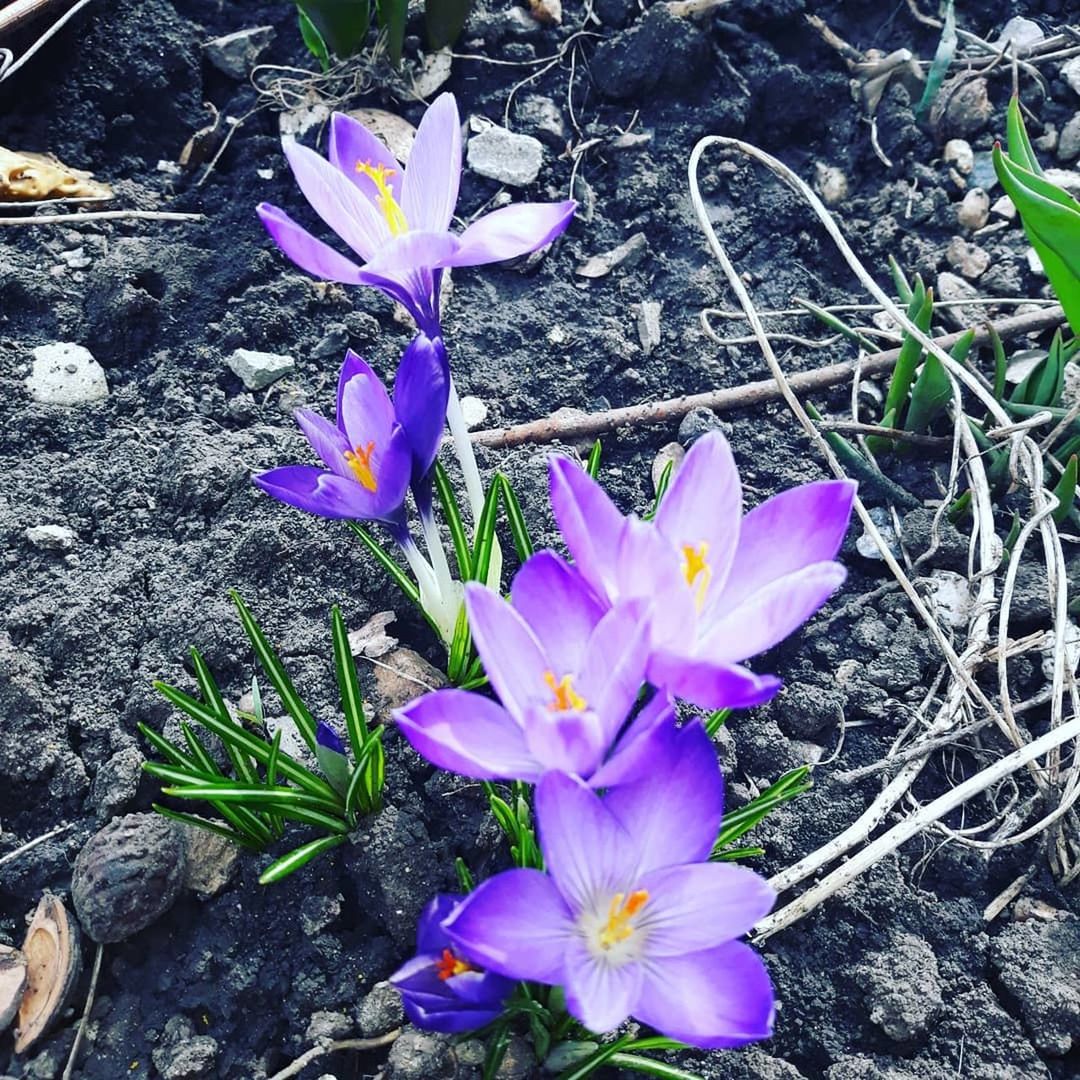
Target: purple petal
[
  {"x": 789, "y": 532},
  {"x": 328, "y": 738},
  {"x": 326, "y": 440},
  {"x": 559, "y": 607},
  {"x": 632, "y": 757},
  {"x": 514, "y": 662},
  {"x": 599, "y": 994},
  {"x": 697, "y": 907},
  {"x": 430, "y": 936},
  {"x": 570, "y": 742},
  {"x": 714, "y": 999},
  {"x": 305, "y": 250},
  {"x": 613, "y": 667},
  {"x": 701, "y": 512},
  {"x": 589, "y": 521},
  {"x": 336, "y": 201},
  {"x": 367, "y": 415},
  {"x": 515, "y": 924},
  {"x": 588, "y": 853},
  {"x": 512, "y": 231},
  {"x": 350, "y": 366},
  {"x": 421, "y": 391},
  {"x": 770, "y": 614},
  {"x": 410, "y": 251},
  {"x": 351, "y": 144},
  {"x": 450, "y": 1021},
  {"x": 320, "y": 492},
  {"x": 430, "y": 189},
  {"x": 709, "y": 683},
  {"x": 672, "y": 814},
  {"x": 469, "y": 734}
]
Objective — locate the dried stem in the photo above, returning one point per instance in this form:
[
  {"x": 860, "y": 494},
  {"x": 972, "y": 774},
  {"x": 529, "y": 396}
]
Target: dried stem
[
  {"x": 316, "y": 1052},
  {"x": 102, "y": 215}
]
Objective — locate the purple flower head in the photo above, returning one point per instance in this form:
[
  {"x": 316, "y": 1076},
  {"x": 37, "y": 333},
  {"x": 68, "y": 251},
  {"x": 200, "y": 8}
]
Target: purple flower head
[
  {"x": 377, "y": 445},
  {"x": 328, "y": 738},
  {"x": 630, "y": 918},
  {"x": 440, "y": 989},
  {"x": 721, "y": 587},
  {"x": 398, "y": 220},
  {"x": 567, "y": 674}
]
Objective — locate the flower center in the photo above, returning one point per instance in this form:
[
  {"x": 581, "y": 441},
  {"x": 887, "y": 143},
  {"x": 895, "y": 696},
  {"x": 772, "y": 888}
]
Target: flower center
[
  {"x": 379, "y": 175},
  {"x": 697, "y": 571},
  {"x": 566, "y": 698},
  {"x": 449, "y": 965},
  {"x": 360, "y": 462},
  {"x": 619, "y": 926}
]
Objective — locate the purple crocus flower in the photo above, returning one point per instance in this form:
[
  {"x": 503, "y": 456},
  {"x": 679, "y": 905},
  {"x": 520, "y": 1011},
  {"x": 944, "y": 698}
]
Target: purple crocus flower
[
  {"x": 398, "y": 220},
  {"x": 377, "y": 445},
  {"x": 566, "y": 672},
  {"x": 440, "y": 989},
  {"x": 721, "y": 587},
  {"x": 630, "y": 917}
]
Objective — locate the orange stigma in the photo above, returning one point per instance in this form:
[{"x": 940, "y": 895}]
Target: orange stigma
[
  {"x": 449, "y": 965},
  {"x": 566, "y": 699},
  {"x": 621, "y": 912},
  {"x": 379, "y": 175},
  {"x": 360, "y": 462},
  {"x": 696, "y": 569}
]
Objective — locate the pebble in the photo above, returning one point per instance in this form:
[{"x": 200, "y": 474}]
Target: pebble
[
  {"x": 902, "y": 986},
  {"x": 257, "y": 370},
  {"x": 52, "y": 537},
  {"x": 210, "y": 861},
  {"x": 1072, "y": 651},
  {"x": 332, "y": 345},
  {"x": 970, "y": 259},
  {"x": 628, "y": 254},
  {"x": 1005, "y": 207},
  {"x": 1064, "y": 178},
  {"x": 1034, "y": 262},
  {"x": 1069, "y": 140},
  {"x": 953, "y": 287},
  {"x": 983, "y": 174},
  {"x": 380, "y": 1011},
  {"x": 506, "y": 156},
  {"x": 831, "y": 183},
  {"x": 66, "y": 374},
  {"x": 544, "y": 119},
  {"x": 966, "y": 111},
  {"x": 867, "y": 547},
  {"x": 974, "y": 209},
  {"x": 402, "y": 676},
  {"x": 420, "y": 1055},
  {"x": 319, "y": 912},
  {"x": 1070, "y": 72},
  {"x": 117, "y": 782},
  {"x": 698, "y": 422},
  {"x": 183, "y": 1055},
  {"x": 958, "y": 152},
  {"x": 950, "y": 597},
  {"x": 1019, "y": 33},
  {"x": 236, "y": 54},
  {"x": 648, "y": 325},
  {"x": 326, "y": 1026},
  {"x": 474, "y": 411}
]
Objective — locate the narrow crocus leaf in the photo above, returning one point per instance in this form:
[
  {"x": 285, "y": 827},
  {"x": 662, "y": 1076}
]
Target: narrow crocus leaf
[
  {"x": 515, "y": 518},
  {"x": 175, "y": 755},
  {"x": 452, "y": 513},
  {"x": 342, "y": 24},
  {"x": 592, "y": 466},
  {"x": 921, "y": 312},
  {"x": 352, "y": 702},
  {"x": 213, "y": 698},
  {"x": 1020, "y": 148},
  {"x": 316, "y": 44},
  {"x": 1001, "y": 363},
  {"x": 943, "y": 58},
  {"x": 932, "y": 391},
  {"x": 297, "y": 858},
  {"x": 1065, "y": 491},
  {"x": 392, "y": 14},
  {"x": 240, "y": 838},
  {"x": 485, "y": 534},
  {"x": 900, "y": 281}
]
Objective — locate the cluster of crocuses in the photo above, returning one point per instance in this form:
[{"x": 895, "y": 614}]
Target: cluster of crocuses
[{"x": 628, "y": 915}]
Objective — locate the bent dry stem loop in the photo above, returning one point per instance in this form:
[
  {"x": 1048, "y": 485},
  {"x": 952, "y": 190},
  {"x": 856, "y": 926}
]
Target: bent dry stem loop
[{"x": 1041, "y": 758}]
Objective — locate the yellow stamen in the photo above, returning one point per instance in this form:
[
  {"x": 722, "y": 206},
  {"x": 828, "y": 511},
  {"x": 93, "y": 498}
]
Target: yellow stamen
[
  {"x": 620, "y": 913},
  {"x": 360, "y": 462},
  {"x": 449, "y": 965},
  {"x": 567, "y": 699},
  {"x": 379, "y": 175},
  {"x": 697, "y": 569}
]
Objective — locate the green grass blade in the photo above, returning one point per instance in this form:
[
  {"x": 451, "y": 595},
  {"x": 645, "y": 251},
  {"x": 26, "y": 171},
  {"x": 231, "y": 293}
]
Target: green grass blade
[
  {"x": 352, "y": 701},
  {"x": 485, "y": 533},
  {"x": 1016, "y": 133},
  {"x": 452, "y": 512},
  {"x": 592, "y": 466},
  {"x": 943, "y": 59},
  {"x": 207, "y": 825},
  {"x": 392, "y": 15},
  {"x": 661, "y": 490},
  {"x": 279, "y": 678},
  {"x": 921, "y": 313},
  {"x": 515, "y": 517},
  {"x": 297, "y": 858},
  {"x": 900, "y": 282},
  {"x": 174, "y": 754},
  {"x": 716, "y": 720},
  {"x": 1066, "y": 491},
  {"x": 253, "y": 795},
  {"x": 445, "y": 20},
  {"x": 313, "y": 40},
  {"x": 383, "y": 558},
  {"x": 214, "y": 700}
]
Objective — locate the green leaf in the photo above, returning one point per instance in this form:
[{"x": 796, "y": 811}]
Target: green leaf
[
  {"x": 165, "y": 748},
  {"x": 397, "y": 575},
  {"x": 661, "y": 490},
  {"x": 254, "y": 795},
  {"x": 716, "y": 720},
  {"x": 485, "y": 533},
  {"x": 445, "y": 19},
  {"x": 392, "y": 18},
  {"x": 342, "y": 24},
  {"x": 1020, "y": 148},
  {"x": 206, "y": 824},
  {"x": 279, "y": 679},
  {"x": 1042, "y": 385},
  {"x": 592, "y": 466},
  {"x": 297, "y": 858},
  {"x": 458, "y": 662},
  {"x": 466, "y": 882},
  {"x": 335, "y": 768},
  {"x": 1001, "y": 363},
  {"x": 365, "y": 788},
  {"x": 834, "y": 322},
  {"x": 940, "y": 67},
  {"x": 650, "y": 1067},
  {"x": 314, "y": 41},
  {"x": 519, "y": 530},
  {"x": 271, "y": 776},
  {"x": 741, "y": 821},
  {"x": 352, "y": 702},
  {"x": 1065, "y": 491},
  {"x": 452, "y": 512},
  {"x": 921, "y": 313},
  {"x": 900, "y": 282},
  {"x": 932, "y": 391},
  {"x": 212, "y": 696}
]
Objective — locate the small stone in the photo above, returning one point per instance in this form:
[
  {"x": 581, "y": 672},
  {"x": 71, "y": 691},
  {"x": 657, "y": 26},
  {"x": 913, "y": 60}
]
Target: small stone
[
  {"x": 970, "y": 259},
  {"x": 52, "y": 537},
  {"x": 1072, "y": 651},
  {"x": 1019, "y": 33},
  {"x": 974, "y": 209},
  {"x": 319, "y": 912},
  {"x": 648, "y": 325},
  {"x": 627, "y": 254},
  {"x": 183, "y": 1055},
  {"x": 967, "y": 108},
  {"x": 1034, "y": 262},
  {"x": 76, "y": 259},
  {"x": 237, "y": 54},
  {"x": 117, "y": 782},
  {"x": 541, "y": 117},
  {"x": 831, "y": 183},
  {"x": 1068, "y": 179},
  {"x": 670, "y": 454},
  {"x": 66, "y": 374},
  {"x": 519, "y": 1061},
  {"x": 867, "y": 547},
  {"x": 210, "y": 861},
  {"x": 402, "y": 676},
  {"x": 1070, "y": 72},
  {"x": 698, "y": 422},
  {"x": 1005, "y": 207},
  {"x": 380, "y": 1011},
  {"x": 954, "y": 288},
  {"x": 903, "y": 987},
  {"x": 419, "y": 1055},
  {"x": 958, "y": 152},
  {"x": 506, "y": 156},
  {"x": 257, "y": 370},
  {"x": 950, "y": 597},
  {"x": 332, "y": 345},
  {"x": 1069, "y": 141},
  {"x": 372, "y": 639},
  {"x": 325, "y": 1027},
  {"x": 474, "y": 411}
]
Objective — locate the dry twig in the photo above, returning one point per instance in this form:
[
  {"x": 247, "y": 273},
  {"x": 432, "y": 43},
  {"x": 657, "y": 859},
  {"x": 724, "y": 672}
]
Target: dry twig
[
  {"x": 316, "y": 1052},
  {"x": 102, "y": 215}
]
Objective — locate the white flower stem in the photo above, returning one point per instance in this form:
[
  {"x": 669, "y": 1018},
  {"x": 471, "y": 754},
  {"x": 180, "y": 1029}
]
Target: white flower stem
[
  {"x": 463, "y": 447},
  {"x": 436, "y": 552}
]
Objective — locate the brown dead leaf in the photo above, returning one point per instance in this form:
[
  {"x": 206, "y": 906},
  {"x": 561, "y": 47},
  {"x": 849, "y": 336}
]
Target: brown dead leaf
[
  {"x": 548, "y": 12},
  {"x": 41, "y": 176}
]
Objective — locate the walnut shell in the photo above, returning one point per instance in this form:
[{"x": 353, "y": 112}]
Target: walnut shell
[
  {"x": 53, "y": 965},
  {"x": 127, "y": 876},
  {"x": 12, "y": 983}
]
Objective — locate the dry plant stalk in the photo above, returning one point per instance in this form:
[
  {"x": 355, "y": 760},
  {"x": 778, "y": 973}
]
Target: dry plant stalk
[{"x": 1053, "y": 785}]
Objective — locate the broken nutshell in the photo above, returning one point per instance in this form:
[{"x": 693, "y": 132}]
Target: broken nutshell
[
  {"x": 12, "y": 983},
  {"x": 53, "y": 963},
  {"x": 31, "y": 177}
]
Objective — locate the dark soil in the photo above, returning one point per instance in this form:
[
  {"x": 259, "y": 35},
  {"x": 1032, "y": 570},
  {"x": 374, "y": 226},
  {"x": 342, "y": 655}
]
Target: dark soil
[{"x": 898, "y": 977}]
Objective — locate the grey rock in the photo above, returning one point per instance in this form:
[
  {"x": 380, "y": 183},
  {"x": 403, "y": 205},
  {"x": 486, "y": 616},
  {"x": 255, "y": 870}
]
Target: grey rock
[
  {"x": 236, "y": 54},
  {"x": 698, "y": 422},
  {"x": 380, "y": 1011},
  {"x": 506, "y": 156},
  {"x": 333, "y": 344},
  {"x": 974, "y": 209},
  {"x": 627, "y": 254},
  {"x": 66, "y": 374},
  {"x": 326, "y": 1026},
  {"x": 953, "y": 287},
  {"x": 648, "y": 325},
  {"x": 1069, "y": 140},
  {"x": 902, "y": 986},
  {"x": 971, "y": 260},
  {"x": 1070, "y": 72},
  {"x": 183, "y": 1055},
  {"x": 1036, "y": 962},
  {"x": 257, "y": 370},
  {"x": 542, "y": 118},
  {"x": 474, "y": 411},
  {"x": 1019, "y": 32},
  {"x": 52, "y": 537},
  {"x": 519, "y": 1061},
  {"x": 318, "y": 912},
  {"x": 117, "y": 782},
  {"x": 962, "y": 110},
  {"x": 402, "y": 676},
  {"x": 210, "y": 860},
  {"x": 420, "y": 1055}
]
